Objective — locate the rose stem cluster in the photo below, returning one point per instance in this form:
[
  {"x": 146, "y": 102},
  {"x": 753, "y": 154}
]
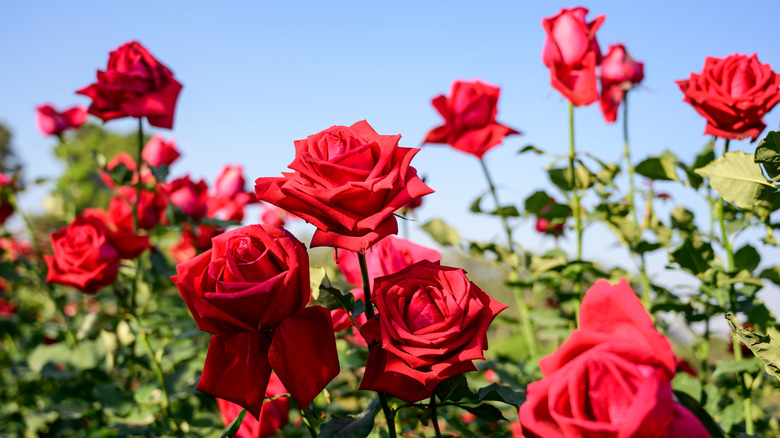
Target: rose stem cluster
[
  {"x": 389, "y": 416},
  {"x": 525, "y": 311}
]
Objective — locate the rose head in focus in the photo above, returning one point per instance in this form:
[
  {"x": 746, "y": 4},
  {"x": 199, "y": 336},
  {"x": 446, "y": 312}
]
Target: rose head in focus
[
  {"x": 469, "y": 114},
  {"x": 250, "y": 290},
  {"x": 432, "y": 324},
  {"x": 733, "y": 94},
  {"x": 134, "y": 84},
  {"x": 159, "y": 152},
  {"x": 612, "y": 377},
  {"x": 619, "y": 73},
  {"x": 348, "y": 182},
  {"x": 51, "y": 122},
  {"x": 572, "y": 53}
]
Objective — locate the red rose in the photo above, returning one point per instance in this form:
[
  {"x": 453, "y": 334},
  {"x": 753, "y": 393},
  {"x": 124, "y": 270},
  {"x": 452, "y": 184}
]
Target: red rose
[
  {"x": 386, "y": 257},
  {"x": 250, "y": 291},
  {"x": 189, "y": 197},
  {"x": 134, "y": 84},
  {"x": 159, "y": 152},
  {"x": 229, "y": 198},
  {"x": 275, "y": 414},
  {"x": 545, "y": 224},
  {"x": 733, "y": 94},
  {"x": 87, "y": 253},
  {"x": 7, "y": 309},
  {"x": 273, "y": 215},
  {"x": 619, "y": 74},
  {"x": 432, "y": 324},
  {"x": 151, "y": 209},
  {"x": 571, "y": 52},
  {"x": 469, "y": 118},
  {"x": 611, "y": 378},
  {"x": 52, "y": 122},
  {"x": 7, "y": 189},
  {"x": 194, "y": 240},
  {"x": 348, "y": 182}
]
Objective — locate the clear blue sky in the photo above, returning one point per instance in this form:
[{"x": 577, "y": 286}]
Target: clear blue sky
[{"x": 258, "y": 75}]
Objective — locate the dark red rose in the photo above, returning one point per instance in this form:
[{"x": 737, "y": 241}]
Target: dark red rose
[
  {"x": 159, "y": 152},
  {"x": 189, "y": 197},
  {"x": 432, "y": 324},
  {"x": 469, "y": 118},
  {"x": 52, "y": 122},
  {"x": 87, "y": 253},
  {"x": 151, "y": 209},
  {"x": 619, "y": 74},
  {"x": 348, "y": 182},
  {"x": 7, "y": 189},
  {"x": 134, "y": 84},
  {"x": 250, "y": 291},
  {"x": 571, "y": 52},
  {"x": 611, "y": 378},
  {"x": 733, "y": 94},
  {"x": 275, "y": 413}
]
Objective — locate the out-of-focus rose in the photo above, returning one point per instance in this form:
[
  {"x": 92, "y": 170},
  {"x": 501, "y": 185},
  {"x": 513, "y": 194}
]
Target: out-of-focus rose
[
  {"x": 612, "y": 377},
  {"x": 52, "y": 122},
  {"x": 250, "y": 291},
  {"x": 547, "y": 225},
  {"x": 619, "y": 73},
  {"x": 151, "y": 209},
  {"x": 7, "y": 189},
  {"x": 572, "y": 53},
  {"x": 189, "y": 197},
  {"x": 229, "y": 198},
  {"x": 432, "y": 324},
  {"x": 469, "y": 114},
  {"x": 348, "y": 182},
  {"x": 134, "y": 84},
  {"x": 275, "y": 413},
  {"x": 194, "y": 240},
  {"x": 126, "y": 160},
  {"x": 273, "y": 215},
  {"x": 159, "y": 152},
  {"x": 87, "y": 253},
  {"x": 733, "y": 94},
  {"x": 7, "y": 309},
  {"x": 15, "y": 249}
]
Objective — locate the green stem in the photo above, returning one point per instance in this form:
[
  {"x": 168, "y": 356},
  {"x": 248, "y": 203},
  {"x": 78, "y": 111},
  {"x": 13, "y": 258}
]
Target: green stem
[
  {"x": 139, "y": 162},
  {"x": 389, "y": 415},
  {"x": 309, "y": 422},
  {"x": 434, "y": 418},
  {"x": 155, "y": 365},
  {"x": 575, "y": 190},
  {"x": 527, "y": 324}
]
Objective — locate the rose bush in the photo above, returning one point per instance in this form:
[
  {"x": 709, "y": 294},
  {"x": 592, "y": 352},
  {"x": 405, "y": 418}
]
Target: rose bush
[
  {"x": 611, "y": 378},
  {"x": 250, "y": 290},
  {"x": 348, "y": 182},
  {"x": 134, "y": 84},
  {"x": 733, "y": 94},
  {"x": 572, "y": 53},
  {"x": 469, "y": 114},
  {"x": 432, "y": 324}
]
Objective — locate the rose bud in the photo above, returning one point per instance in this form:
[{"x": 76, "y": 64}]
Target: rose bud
[
  {"x": 159, "y": 152},
  {"x": 51, "y": 122},
  {"x": 619, "y": 74}
]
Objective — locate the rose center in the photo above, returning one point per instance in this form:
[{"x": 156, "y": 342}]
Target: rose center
[{"x": 422, "y": 310}]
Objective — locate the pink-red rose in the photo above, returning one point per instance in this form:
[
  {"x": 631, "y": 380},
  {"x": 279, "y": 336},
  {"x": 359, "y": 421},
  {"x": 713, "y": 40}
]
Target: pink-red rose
[
  {"x": 572, "y": 53},
  {"x": 250, "y": 291},
  {"x": 469, "y": 114},
  {"x": 611, "y": 378},
  {"x": 151, "y": 209},
  {"x": 229, "y": 198},
  {"x": 134, "y": 84},
  {"x": 159, "y": 152},
  {"x": 619, "y": 73},
  {"x": 87, "y": 252},
  {"x": 348, "y": 182},
  {"x": 733, "y": 94},
  {"x": 188, "y": 196},
  {"x": 52, "y": 122},
  {"x": 275, "y": 415},
  {"x": 432, "y": 324}
]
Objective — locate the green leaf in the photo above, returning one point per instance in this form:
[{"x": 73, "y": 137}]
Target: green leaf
[
  {"x": 768, "y": 154},
  {"x": 706, "y": 420},
  {"x": 114, "y": 399},
  {"x": 504, "y": 394},
  {"x": 688, "y": 384},
  {"x": 232, "y": 429},
  {"x": 750, "y": 365},
  {"x": 682, "y": 219},
  {"x": 316, "y": 275},
  {"x": 561, "y": 177},
  {"x": 475, "y": 206},
  {"x": 537, "y": 201},
  {"x": 455, "y": 388},
  {"x": 659, "y": 168},
  {"x": 705, "y": 156},
  {"x": 763, "y": 346},
  {"x": 772, "y": 274},
  {"x": 359, "y": 427},
  {"x": 442, "y": 233},
  {"x": 531, "y": 148},
  {"x": 485, "y": 412},
  {"x": 747, "y": 257},
  {"x": 737, "y": 178},
  {"x": 694, "y": 255}
]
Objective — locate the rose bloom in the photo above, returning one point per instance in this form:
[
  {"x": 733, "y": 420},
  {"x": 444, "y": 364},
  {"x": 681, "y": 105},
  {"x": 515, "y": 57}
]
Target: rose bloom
[
  {"x": 348, "y": 182},
  {"x": 134, "y": 84},
  {"x": 611, "y": 378},
  {"x": 159, "y": 152},
  {"x": 129, "y": 163},
  {"x": 194, "y": 240},
  {"x": 7, "y": 189},
  {"x": 151, "y": 209},
  {"x": 273, "y": 215},
  {"x": 250, "y": 290},
  {"x": 275, "y": 413},
  {"x": 733, "y": 94},
  {"x": 87, "y": 252},
  {"x": 432, "y": 324},
  {"x": 229, "y": 198},
  {"x": 571, "y": 52},
  {"x": 619, "y": 73},
  {"x": 189, "y": 197},
  {"x": 52, "y": 122},
  {"x": 469, "y": 118},
  {"x": 545, "y": 225}
]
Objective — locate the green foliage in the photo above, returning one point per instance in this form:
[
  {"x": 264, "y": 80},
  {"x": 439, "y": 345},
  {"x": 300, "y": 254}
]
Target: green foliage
[
  {"x": 442, "y": 233},
  {"x": 659, "y": 168},
  {"x": 763, "y": 346},
  {"x": 737, "y": 178}
]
